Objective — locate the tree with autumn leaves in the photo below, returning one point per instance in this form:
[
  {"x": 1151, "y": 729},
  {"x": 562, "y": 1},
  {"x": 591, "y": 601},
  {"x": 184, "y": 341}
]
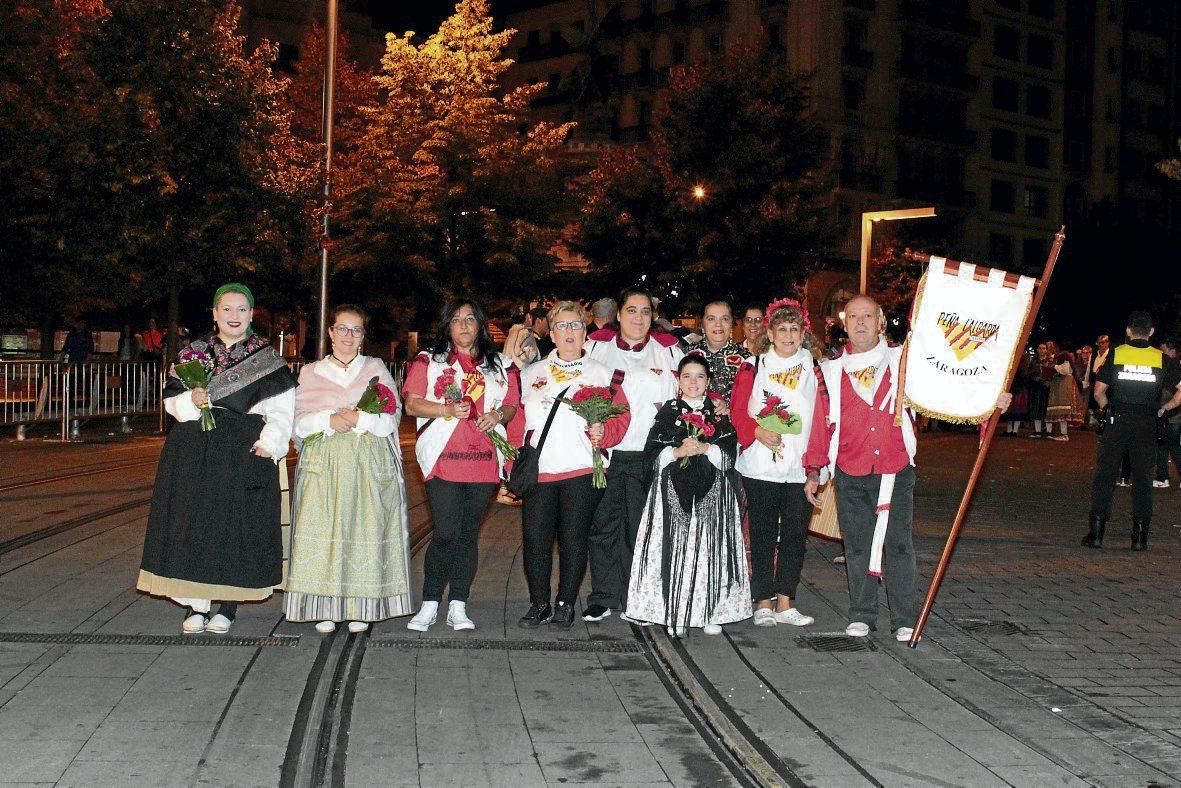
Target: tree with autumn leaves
[{"x": 459, "y": 192}]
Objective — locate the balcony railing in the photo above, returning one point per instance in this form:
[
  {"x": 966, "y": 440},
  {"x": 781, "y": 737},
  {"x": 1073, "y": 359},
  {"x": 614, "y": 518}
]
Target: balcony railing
[
  {"x": 944, "y": 15},
  {"x": 937, "y": 74}
]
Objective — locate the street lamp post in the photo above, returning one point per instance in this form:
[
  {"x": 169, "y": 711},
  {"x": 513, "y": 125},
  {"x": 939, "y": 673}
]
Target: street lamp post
[
  {"x": 867, "y": 221},
  {"x": 329, "y": 97}
]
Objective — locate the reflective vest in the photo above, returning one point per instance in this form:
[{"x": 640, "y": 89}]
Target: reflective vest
[{"x": 1137, "y": 376}]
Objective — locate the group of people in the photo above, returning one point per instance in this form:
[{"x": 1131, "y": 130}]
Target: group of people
[{"x": 702, "y": 440}]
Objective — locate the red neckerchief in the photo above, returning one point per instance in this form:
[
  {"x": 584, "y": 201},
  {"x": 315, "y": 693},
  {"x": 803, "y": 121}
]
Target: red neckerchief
[{"x": 622, "y": 345}]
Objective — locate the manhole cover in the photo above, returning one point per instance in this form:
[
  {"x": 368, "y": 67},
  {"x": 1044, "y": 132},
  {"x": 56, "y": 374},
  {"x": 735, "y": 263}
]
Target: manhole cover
[
  {"x": 839, "y": 643},
  {"x": 993, "y": 628},
  {"x": 469, "y": 644},
  {"x": 79, "y": 639}
]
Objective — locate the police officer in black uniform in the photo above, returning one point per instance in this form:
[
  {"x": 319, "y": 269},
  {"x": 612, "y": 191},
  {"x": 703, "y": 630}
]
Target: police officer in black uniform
[{"x": 1128, "y": 387}]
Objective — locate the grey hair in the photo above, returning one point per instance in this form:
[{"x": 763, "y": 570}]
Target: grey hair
[
  {"x": 566, "y": 306},
  {"x": 604, "y": 307}
]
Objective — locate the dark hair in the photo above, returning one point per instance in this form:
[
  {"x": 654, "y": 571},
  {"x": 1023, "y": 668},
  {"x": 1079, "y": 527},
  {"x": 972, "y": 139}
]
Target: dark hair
[
  {"x": 353, "y": 308},
  {"x": 695, "y": 358},
  {"x": 539, "y": 312},
  {"x": 635, "y": 291},
  {"x": 485, "y": 349},
  {"x": 718, "y": 302},
  {"x": 1169, "y": 341},
  {"x": 1140, "y": 323}
]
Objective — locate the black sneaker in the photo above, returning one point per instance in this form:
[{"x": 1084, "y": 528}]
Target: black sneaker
[
  {"x": 538, "y": 614},
  {"x": 563, "y": 616},
  {"x": 596, "y": 613}
]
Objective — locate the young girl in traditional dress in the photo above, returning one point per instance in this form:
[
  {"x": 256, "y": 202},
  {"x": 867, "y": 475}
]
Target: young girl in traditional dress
[
  {"x": 349, "y": 547},
  {"x": 689, "y": 565},
  {"x": 214, "y": 526}
]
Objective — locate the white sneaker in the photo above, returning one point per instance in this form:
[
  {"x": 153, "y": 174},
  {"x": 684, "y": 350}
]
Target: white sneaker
[
  {"x": 794, "y": 617},
  {"x": 677, "y": 632},
  {"x": 326, "y": 627},
  {"x": 903, "y": 634},
  {"x": 857, "y": 630},
  {"x": 219, "y": 624},
  {"x": 712, "y": 629},
  {"x": 358, "y": 626},
  {"x": 764, "y": 617},
  {"x": 1160, "y": 485},
  {"x": 457, "y": 616},
  {"x": 194, "y": 624},
  {"x": 425, "y": 617}
]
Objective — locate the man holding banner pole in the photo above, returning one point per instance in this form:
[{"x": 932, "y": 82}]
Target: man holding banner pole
[{"x": 868, "y": 449}]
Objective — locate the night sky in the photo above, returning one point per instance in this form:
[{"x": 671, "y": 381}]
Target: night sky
[{"x": 421, "y": 16}]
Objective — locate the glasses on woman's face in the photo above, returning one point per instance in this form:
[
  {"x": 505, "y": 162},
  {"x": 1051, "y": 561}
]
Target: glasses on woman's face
[
  {"x": 465, "y": 320},
  {"x": 754, "y": 321},
  {"x": 344, "y": 331},
  {"x": 569, "y": 325}
]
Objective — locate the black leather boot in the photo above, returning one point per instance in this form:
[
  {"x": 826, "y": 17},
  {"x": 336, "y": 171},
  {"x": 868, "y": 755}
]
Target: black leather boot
[
  {"x": 1139, "y": 535},
  {"x": 1094, "y": 537}
]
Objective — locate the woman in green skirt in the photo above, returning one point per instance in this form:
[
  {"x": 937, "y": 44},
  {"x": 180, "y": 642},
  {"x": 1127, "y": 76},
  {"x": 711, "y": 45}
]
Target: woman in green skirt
[{"x": 349, "y": 546}]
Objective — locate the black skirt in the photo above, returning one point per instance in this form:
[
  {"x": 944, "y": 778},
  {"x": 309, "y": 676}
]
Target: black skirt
[{"x": 214, "y": 526}]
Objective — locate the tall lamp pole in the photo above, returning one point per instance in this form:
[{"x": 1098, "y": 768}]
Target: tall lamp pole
[
  {"x": 329, "y": 101},
  {"x": 867, "y": 222}
]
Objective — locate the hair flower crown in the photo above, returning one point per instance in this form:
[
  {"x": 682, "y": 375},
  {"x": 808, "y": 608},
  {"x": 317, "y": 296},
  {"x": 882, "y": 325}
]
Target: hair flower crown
[{"x": 775, "y": 306}]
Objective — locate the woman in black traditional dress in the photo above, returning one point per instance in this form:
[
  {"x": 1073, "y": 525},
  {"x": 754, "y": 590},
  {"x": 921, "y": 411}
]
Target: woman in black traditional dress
[
  {"x": 689, "y": 564},
  {"x": 213, "y": 529}
]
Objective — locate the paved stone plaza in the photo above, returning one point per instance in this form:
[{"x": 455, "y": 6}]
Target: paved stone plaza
[{"x": 1044, "y": 664}]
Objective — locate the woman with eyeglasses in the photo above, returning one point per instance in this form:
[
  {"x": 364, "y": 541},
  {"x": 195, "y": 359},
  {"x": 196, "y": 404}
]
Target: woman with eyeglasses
[
  {"x": 649, "y": 361},
  {"x": 771, "y": 462},
  {"x": 349, "y": 545},
  {"x": 460, "y": 390},
  {"x": 563, "y": 502},
  {"x": 753, "y": 329}
]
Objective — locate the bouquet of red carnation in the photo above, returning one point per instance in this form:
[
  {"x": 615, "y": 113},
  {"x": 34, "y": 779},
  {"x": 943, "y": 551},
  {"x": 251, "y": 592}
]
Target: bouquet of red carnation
[
  {"x": 450, "y": 390},
  {"x": 699, "y": 428},
  {"x": 594, "y": 404},
  {"x": 377, "y": 398},
  {"x": 775, "y": 417},
  {"x": 194, "y": 369}
]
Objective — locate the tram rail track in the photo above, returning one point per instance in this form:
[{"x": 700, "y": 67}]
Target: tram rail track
[{"x": 74, "y": 473}]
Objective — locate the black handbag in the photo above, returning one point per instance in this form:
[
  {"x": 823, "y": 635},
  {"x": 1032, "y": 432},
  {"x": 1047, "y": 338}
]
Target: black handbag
[{"x": 523, "y": 478}]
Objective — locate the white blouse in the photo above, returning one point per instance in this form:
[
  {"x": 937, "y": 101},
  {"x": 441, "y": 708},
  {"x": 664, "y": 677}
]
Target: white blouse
[
  {"x": 278, "y": 412},
  {"x": 379, "y": 424}
]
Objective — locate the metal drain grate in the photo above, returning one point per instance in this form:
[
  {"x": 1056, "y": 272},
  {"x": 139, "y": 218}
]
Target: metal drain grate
[
  {"x": 993, "y": 628},
  {"x": 79, "y": 639},
  {"x": 837, "y": 643},
  {"x": 489, "y": 644}
]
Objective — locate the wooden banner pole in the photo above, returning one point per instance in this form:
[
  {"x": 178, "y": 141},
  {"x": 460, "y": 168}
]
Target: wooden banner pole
[{"x": 985, "y": 444}]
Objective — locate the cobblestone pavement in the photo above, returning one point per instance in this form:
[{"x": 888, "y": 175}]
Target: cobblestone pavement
[{"x": 1044, "y": 664}]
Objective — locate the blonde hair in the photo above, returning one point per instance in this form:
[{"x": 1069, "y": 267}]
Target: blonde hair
[
  {"x": 566, "y": 306},
  {"x": 784, "y": 314}
]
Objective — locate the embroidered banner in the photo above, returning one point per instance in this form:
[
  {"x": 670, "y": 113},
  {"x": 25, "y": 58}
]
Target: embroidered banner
[{"x": 965, "y": 325}]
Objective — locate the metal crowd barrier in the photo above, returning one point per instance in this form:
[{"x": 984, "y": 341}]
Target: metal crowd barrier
[
  {"x": 35, "y": 392},
  {"x": 39, "y": 392}
]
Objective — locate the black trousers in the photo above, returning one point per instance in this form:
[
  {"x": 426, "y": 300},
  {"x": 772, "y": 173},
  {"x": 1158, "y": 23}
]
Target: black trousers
[
  {"x": 778, "y": 514},
  {"x": 457, "y": 509},
  {"x": 1134, "y": 433},
  {"x": 857, "y": 500},
  {"x": 1168, "y": 446},
  {"x": 561, "y": 510},
  {"x": 614, "y": 528}
]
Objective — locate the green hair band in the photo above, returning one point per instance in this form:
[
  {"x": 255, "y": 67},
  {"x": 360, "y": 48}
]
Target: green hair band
[{"x": 234, "y": 287}]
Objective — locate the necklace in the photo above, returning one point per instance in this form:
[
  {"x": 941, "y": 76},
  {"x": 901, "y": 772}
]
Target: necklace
[{"x": 344, "y": 364}]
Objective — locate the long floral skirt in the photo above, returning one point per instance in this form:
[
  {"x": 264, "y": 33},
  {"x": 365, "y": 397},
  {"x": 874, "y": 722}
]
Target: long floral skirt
[{"x": 349, "y": 545}]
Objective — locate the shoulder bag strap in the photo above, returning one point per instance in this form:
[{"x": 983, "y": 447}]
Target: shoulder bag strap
[{"x": 550, "y": 420}]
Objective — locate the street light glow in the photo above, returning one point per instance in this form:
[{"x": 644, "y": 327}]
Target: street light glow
[{"x": 699, "y": 192}]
